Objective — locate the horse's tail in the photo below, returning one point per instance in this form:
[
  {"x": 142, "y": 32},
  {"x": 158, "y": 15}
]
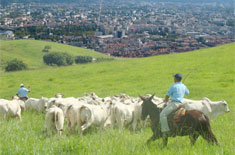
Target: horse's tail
[{"x": 206, "y": 131}]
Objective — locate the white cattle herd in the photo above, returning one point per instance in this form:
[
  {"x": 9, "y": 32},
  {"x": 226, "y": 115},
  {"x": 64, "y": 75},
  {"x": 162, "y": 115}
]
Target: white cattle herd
[{"x": 91, "y": 110}]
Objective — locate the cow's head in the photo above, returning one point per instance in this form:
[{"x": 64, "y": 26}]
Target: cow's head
[
  {"x": 219, "y": 108},
  {"x": 44, "y": 101},
  {"x": 59, "y": 95},
  {"x": 224, "y": 105},
  {"x": 15, "y": 98},
  {"x": 51, "y": 102}
]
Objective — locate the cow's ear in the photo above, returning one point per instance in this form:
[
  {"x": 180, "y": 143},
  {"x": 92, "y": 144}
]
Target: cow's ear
[
  {"x": 142, "y": 98},
  {"x": 208, "y": 106},
  {"x": 206, "y": 99}
]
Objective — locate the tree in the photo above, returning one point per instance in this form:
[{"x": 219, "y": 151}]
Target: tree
[
  {"x": 58, "y": 58},
  {"x": 15, "y": 65},
  {"x": 83, "y": 59}
]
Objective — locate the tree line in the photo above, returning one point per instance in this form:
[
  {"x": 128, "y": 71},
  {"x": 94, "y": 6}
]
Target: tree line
[
  {"x": 54, "y": 59},
  {"x": 53, "y": 33}
]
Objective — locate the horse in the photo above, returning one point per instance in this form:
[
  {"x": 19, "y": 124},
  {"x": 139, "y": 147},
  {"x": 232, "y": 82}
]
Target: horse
[{"x": 193, "y": 123}]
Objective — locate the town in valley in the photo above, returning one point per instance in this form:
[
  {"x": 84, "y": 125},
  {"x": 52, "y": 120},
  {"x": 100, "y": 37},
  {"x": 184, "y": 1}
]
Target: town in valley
[{"x": 123, "y": 29}]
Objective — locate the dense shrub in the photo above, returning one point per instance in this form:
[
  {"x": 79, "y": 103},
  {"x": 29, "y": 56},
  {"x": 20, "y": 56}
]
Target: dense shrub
[
  {"x": 15, "y": 65},
  {"x": 68, "y": 58},
  {"x": 104, "y": 59},
  {"x": 57, "y": 58},
  {"x": 46, "y": 49},
  {"x": 83, "y": 59}
]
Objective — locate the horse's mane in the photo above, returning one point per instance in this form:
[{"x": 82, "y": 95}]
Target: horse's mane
[{"x": 156, "y": 108}]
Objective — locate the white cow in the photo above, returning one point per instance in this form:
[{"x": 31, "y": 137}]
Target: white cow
[
  {"x": 122, "y": 114},
  {"x": 54, "y": 120},
  {"x": 218, "y": 108},
  {"x": 125, "y": 114},
  {"x": 10, "y": 108},
  {"x": 84, "y": 115},
  {"x": 209, "y": 108},
  {"x": 94, "y": 115},
  {"x": 21, "y": 103},
  {"x": 39, "y": 105},
  {"x": 137, "y": 116},
  {"x": 72, "y": 114}
]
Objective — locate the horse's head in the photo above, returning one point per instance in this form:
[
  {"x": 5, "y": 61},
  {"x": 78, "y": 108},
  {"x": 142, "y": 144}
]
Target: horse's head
[{"x": 146, "y": 106}]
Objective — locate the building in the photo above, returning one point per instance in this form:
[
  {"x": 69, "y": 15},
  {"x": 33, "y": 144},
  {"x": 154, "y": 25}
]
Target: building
[{"x": 7, "y": 35}]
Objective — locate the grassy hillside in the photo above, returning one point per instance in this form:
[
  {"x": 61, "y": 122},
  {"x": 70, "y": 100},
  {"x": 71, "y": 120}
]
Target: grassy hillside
[
  {"x": 212, "y": 74},
  {"x": 30, "y": 51}
]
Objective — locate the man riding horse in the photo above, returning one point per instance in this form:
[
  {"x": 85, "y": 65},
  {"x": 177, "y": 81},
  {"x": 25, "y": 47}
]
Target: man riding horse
[
  {"x": 181, "y": 122},
  {"x": 176, "y": 92}
]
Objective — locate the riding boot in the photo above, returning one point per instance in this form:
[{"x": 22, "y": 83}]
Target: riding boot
[{"x": 165, "y": 138}]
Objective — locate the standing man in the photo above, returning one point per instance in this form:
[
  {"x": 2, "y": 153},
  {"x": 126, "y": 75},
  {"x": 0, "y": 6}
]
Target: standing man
[
  {"x": 22, "y": 93},
  {"x": 176, "y": 92}
]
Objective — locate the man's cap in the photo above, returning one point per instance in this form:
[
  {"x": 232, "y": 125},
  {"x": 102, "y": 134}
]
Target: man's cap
[
  {"x": 22, "y": 85},
  {"x": 178, "y": 76}
]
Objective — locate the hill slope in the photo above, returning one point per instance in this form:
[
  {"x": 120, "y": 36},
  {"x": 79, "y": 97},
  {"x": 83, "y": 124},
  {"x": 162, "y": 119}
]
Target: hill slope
[
  {"x": 211, "y": 68},
  {"x": 212, "y": 74},
  {"x": 30, "y": 51}
]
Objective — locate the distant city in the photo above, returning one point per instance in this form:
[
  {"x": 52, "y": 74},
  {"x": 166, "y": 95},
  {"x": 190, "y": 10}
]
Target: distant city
[{"x": 123, "y": 29}]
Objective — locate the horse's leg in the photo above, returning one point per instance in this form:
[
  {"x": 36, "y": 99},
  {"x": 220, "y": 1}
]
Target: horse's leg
[
  {"x": 154, "y": 137},
  {"x": 193, "y": 137},
  {"x": 207, "y": 134},
  {"x": 212, "y": 136},
  {"x": 165, "y": 140},
  {"x": 209, "y": 137}
]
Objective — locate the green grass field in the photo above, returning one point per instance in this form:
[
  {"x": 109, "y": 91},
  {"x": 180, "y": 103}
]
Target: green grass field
[
  {"x": 30, "y": 51},
  {"x": 212, "y": 75}
]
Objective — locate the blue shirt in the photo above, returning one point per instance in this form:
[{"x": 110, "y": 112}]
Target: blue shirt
[
  {"x": 23, "y": 92},
  {"x": 177, "y": 92}
]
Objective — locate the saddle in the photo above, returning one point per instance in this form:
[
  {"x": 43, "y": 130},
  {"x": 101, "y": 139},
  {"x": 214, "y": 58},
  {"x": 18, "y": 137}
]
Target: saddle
[
  {"x": 176, "y": 115},
  {"x": 181, "y": 111}
]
